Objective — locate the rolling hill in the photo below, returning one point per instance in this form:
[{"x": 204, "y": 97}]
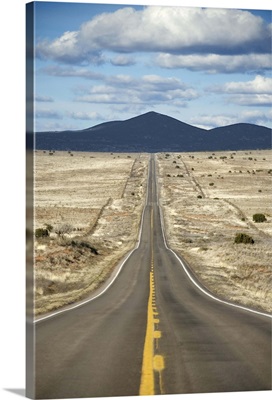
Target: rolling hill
[{"x": 153, "y": 132}]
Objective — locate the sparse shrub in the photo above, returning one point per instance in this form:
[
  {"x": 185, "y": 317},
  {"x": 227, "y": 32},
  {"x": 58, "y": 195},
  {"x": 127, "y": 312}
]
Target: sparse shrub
[
  {"x": 243, "y": 238},
  {"x": 41, "y": 232},
  {"x": 85, "y": 245},
  {"x": 199, "y": 196},
  {"x": 63, "y": 229},
  {"x": 211, "y": 184},
  {"x": 259, "y": 217},
  {"x": 49, "y": 227}
]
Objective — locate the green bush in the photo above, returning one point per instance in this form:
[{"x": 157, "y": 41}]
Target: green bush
[
  {"x": 41, "y": 232},
  {"x": 49, "y": 227},
  {"x": 259, "y": 218},
  {"x": 243, "y": 238}
]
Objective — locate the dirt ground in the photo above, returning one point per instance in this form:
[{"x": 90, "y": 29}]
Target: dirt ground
[
  {"x": 90, "y": 204},
  {"x": 207, "y": 198}
]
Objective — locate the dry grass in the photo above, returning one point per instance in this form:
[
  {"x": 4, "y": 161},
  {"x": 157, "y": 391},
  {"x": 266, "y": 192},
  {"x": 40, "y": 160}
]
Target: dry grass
[
  {"x": 208, "y": 198},
  {"x": 101, "y": 196}
]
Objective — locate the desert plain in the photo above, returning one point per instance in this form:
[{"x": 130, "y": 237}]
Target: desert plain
[{"x": 89, "y": 207}]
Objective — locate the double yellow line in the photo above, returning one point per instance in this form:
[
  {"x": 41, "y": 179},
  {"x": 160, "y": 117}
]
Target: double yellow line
[{"x": 151, "y": 362}]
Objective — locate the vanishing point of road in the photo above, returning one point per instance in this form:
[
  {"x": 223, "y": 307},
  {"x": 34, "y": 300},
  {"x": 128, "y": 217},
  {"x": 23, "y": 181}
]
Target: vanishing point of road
[{"x": 153, "y": 331}]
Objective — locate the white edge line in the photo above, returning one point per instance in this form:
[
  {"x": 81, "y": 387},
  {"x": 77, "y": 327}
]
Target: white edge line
[
  {"x": 117, "y": 273},
  {"x": 190, "y": 276},
  {"x": 166, "y": 245}
]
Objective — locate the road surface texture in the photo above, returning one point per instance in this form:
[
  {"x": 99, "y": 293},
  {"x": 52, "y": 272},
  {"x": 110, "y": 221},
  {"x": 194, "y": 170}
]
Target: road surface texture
[{"x": 152, "y": 332}]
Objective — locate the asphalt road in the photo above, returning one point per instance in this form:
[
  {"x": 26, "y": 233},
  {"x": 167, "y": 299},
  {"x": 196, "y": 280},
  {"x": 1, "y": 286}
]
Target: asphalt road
[{"x": 152, "y": 332}]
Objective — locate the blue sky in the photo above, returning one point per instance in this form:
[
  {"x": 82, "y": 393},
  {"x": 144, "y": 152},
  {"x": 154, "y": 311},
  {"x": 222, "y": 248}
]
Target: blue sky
[{"x": 204, "y": 66}]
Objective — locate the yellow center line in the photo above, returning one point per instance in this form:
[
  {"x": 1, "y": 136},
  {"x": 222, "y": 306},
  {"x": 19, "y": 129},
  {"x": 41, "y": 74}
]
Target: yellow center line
[
  {"x": 151, "y": 363},
  {"x": 147, "y": 379},
  {"x": 158, "y": 363}
]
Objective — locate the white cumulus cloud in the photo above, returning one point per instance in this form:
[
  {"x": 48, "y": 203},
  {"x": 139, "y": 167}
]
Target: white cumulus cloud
[
  {"x": 216, "y": 63},
  {"x": 148, "y": 89},
  {"x": 80, "y": 115},
  {"x": 48, "y": 113},
  {"x": 44, "y": 99},
  {"x": 172, "y": 30},
  {"x": 122, "y": 60},
  {"x": 257, "y": 92},
  {"x": 216, "y": 120},
  {"x": 259, "y": 85}
]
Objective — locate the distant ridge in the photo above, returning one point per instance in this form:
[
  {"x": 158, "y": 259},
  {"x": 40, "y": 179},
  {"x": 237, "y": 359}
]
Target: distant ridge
[{"x": 153, "y": 132}]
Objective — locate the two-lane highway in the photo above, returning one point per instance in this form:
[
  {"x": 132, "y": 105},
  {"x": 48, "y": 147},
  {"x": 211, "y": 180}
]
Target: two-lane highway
[{"x": 152, "y": 332}]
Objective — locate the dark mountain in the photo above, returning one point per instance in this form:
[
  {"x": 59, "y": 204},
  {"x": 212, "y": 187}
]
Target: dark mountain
[{"x": 153, "y": 132}]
